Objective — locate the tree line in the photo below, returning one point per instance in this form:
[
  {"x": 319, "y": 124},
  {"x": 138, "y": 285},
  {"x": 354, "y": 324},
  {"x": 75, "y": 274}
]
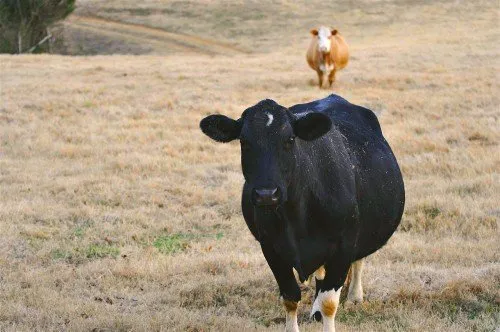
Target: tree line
[{"x": 24, "y": 24}]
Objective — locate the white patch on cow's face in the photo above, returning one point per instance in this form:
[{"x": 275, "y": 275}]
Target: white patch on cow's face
[
  {"x": 324, "y": 42},
  {"x": 270, "y": 119}
]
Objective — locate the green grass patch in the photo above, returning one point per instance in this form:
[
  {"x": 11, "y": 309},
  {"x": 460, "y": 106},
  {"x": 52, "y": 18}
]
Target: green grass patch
[
  {"x": 431, "y": 211},
  {"x": 79, "y": 232},
  {"x": 82, "y": 228},
  {"x": 101, "y": 251},
  {"x": 79, "y": 255},
  {"x": 88, "y": 104},
  {"x": 60, "y": 254},
  {"x": 178, "y": 242},
  {"x": 173, "y": 243}
]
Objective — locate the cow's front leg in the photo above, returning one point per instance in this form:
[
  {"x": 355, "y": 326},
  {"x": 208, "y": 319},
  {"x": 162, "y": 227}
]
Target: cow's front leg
[
  {"x": 291, "y": 316},
  {"x": 355, "y": 294},
  {"x": 328, "y": 295},
  {"x": 331, "y": 77},
  {"x": 320, "y": 77},
  {"x": 289, "y": 289}
]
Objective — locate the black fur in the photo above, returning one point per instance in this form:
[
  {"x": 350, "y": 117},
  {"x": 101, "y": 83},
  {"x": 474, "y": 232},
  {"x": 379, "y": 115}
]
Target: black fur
[
  {"x": 342, "y": 193},
  {"x": 220, "y": 128}
]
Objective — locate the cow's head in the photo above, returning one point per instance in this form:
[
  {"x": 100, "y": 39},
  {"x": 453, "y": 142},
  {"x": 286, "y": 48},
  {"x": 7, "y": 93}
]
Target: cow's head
[
  {"x": 324, "y": 34},
  {"x": 270, "y": 137}
]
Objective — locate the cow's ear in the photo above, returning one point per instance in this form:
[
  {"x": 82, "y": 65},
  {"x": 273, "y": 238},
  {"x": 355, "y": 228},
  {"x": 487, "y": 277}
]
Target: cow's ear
[
  {"x": 220, "y": 128},
  {"x": 312, "y": 126},
  {"x": 314, "y": 32},
  {"x": 334, "y": 32}
]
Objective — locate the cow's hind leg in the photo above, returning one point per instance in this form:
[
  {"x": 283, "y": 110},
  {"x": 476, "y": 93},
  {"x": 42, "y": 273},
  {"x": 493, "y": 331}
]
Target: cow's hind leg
[
  {"x": 355, "y": 294},
  {"x": 328, "y": 295}
]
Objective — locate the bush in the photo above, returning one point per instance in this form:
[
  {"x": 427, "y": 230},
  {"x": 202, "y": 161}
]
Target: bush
[{"x": 24, "y": 23}]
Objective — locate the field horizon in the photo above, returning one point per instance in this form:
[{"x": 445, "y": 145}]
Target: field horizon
[{"x": 118, "y": 214}]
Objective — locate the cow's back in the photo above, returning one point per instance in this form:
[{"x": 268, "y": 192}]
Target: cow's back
[{"x": 342, "y": 113}]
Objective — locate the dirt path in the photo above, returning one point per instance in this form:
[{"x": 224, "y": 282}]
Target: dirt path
[{"x": 159, "y": 39}]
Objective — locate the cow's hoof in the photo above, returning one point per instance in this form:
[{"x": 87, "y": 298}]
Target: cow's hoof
[
  {"x": 355, "y": 297},
  {"x": 317, "y": 316},
  {"x": 350, "y": 304},
  {"x": 354, "y": 301}
]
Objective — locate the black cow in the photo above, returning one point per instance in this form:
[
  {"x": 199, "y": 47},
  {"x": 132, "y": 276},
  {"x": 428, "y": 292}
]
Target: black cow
[{"x": 322, "y": 191}]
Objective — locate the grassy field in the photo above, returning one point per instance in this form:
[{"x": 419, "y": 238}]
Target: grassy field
[{"x": 118, "y": 214}]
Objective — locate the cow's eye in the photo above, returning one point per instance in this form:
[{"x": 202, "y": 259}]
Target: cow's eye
[{"x": 289, "y": 142}]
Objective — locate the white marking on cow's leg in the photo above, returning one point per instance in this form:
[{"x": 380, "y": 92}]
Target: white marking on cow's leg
[
  {"x": 327, "y": 303},
  {"x": 355, "y": 294},
  {"x": 291, "y": 316},
  {"x": 320, "y": 273},
  {"x": 270, "y": 119}
]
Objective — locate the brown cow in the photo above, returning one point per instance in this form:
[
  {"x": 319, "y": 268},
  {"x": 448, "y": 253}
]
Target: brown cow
[{"x": 327, "y": 53}]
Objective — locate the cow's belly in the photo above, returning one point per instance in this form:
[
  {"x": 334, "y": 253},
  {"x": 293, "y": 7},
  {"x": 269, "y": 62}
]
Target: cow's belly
[
  {"x": 313, "y": 252},
  {"x": 381, "y": 201}
]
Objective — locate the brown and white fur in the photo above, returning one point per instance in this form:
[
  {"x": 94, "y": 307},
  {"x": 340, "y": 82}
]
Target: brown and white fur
[
  {"x": 327, "y": 53},
  {"x": 328, "y": 302}
]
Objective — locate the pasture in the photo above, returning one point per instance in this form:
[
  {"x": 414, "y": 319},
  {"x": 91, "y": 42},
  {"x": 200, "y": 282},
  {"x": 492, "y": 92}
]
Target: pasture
[{"x": 118, "y": 214}]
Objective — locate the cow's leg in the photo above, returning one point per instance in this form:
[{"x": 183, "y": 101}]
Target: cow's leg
[
  {"x": 320, "y": 77},
  {"x": 319, "y": 275},
  {"x": 305, "y": 282},
  {"x": 355, "y": 294},
  {"x": 289, "y": 289},
  {"x": 328, "y": 298},
  {"x": 331, "y": 77},
  {"x": 291, "y": 316}
]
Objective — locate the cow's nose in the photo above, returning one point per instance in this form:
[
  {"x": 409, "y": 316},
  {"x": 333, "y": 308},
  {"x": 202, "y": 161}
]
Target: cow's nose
[{"x": 261, "y": 197}]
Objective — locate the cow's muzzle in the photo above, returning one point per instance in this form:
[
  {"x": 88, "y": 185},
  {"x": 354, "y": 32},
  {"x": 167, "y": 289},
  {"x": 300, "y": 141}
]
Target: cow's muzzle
[{"x": 263, "y": 197}]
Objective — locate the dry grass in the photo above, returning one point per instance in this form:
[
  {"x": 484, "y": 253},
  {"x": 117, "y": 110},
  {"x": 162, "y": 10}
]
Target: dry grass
[{"x": 116, "y": 213}]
